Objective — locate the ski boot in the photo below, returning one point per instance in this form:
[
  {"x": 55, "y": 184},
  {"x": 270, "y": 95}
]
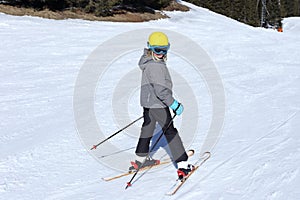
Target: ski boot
[
  {"x": 139, "y": 165},
  {"x": 184, "y": 169}
]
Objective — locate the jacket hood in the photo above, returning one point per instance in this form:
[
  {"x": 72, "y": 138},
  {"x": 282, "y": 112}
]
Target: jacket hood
[{"x": 146, "y": 57}]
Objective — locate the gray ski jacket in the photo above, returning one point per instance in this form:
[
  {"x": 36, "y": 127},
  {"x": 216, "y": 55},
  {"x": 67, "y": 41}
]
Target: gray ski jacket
[{"x": 156, "y": 84}]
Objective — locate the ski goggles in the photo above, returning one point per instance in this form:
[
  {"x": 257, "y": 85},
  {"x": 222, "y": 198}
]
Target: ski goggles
[{"x": 159, "y": 49}]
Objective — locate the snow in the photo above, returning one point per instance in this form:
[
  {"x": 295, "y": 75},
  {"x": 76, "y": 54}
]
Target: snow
[{"x": 43, "y": 157}]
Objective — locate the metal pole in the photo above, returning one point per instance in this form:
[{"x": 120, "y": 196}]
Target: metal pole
[
  {"x": 263, "y": 13},
  {"x": 96, "y": 145}
]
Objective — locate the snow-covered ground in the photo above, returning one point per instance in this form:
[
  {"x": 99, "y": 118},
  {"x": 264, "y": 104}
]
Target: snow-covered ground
[{"x": 41, "y": 153}]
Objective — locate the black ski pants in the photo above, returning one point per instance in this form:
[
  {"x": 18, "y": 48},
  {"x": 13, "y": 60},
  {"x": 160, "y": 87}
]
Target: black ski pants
[{"x": 163, "y": 117}]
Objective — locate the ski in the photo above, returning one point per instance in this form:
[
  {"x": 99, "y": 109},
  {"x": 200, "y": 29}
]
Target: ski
[
  {"x": 132, "y": 172},
  {"x": 163, "y": 162},
  {"x": 179, "y": 183}
]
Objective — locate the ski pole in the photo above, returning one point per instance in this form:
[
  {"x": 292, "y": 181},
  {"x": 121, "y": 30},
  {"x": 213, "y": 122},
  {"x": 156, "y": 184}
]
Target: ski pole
[
  {"x": 135, "y": 173},
  {"x": 96, "y": 145},
  {"x": 117, "y": 152}
]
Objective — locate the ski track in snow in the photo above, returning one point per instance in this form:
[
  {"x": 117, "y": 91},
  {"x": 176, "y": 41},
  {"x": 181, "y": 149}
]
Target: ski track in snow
[{"x": 41, "y": 155}]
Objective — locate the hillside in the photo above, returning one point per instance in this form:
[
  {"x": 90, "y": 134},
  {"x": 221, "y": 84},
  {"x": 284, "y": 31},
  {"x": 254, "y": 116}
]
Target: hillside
[
  {"x": 44, "y": 155},
  {"x": 117, "y": 13}
]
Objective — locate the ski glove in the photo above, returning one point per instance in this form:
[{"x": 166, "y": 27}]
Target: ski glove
[{"x": 177, "y": 107}]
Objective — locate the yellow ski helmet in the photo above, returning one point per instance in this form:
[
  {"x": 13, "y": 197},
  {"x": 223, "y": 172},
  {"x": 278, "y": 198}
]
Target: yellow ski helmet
[{"x": 158, "y": 39}]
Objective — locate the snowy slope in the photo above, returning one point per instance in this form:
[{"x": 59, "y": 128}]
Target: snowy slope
[{"x": 42, "y": 156}]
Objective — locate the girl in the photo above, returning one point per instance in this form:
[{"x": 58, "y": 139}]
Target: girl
[{"x": 156, "y": 98}]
